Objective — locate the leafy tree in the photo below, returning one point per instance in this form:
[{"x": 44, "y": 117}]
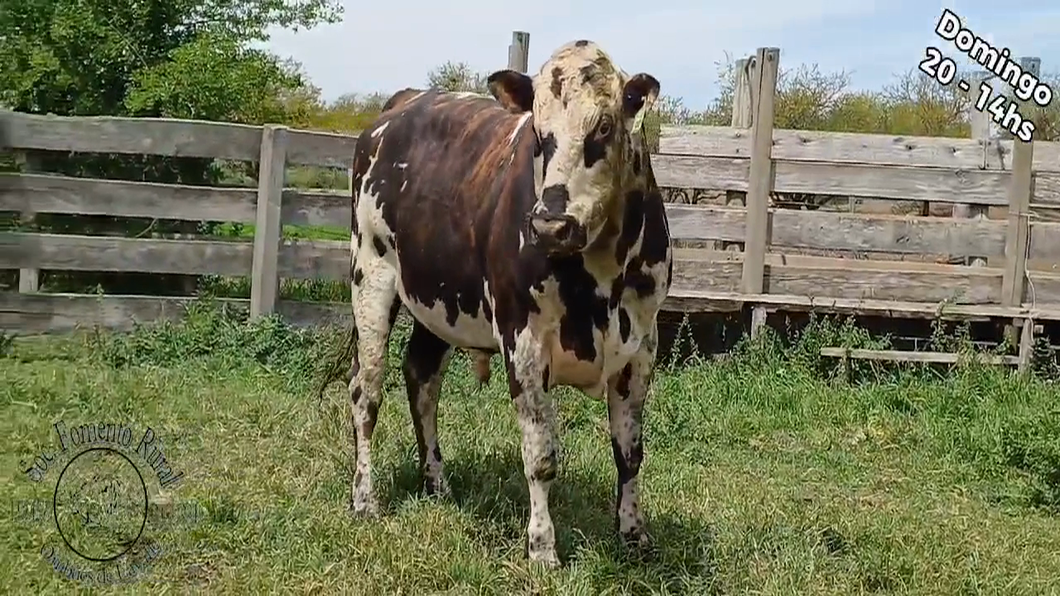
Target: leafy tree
[
  {"x": 82, "y": 57},
  {"x": 806, "y": 97},
  {"x": 1046, "y": 120},
  {"x": 350, "y": 113},
  {"x": 177, "y": 58},
  {"x": 457, "y": 77},
  {"x": 919, "y": 105}
]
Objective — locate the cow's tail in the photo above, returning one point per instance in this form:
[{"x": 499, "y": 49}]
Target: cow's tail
[{"x": 339, "y": 362}]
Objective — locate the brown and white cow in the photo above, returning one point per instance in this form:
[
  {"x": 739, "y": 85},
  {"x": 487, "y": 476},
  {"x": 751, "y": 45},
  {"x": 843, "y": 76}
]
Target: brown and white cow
[{"x": 529, "y": 225}]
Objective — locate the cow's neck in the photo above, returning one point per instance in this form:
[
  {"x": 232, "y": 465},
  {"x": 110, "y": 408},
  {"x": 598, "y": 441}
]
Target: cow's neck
[{"x": 604, "y": 246}]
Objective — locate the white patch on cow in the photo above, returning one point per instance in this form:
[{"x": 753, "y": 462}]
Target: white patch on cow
[
  {"x": 518, "y": 127},
  {"x": 625, "y": 403},
  {"x": 540, "y": 447},
  {"x": 493, "y": 309},
  {"x": 372, "y": 300},
  {"x": 466, "y": 332},
  {"x": 400, "y": 165},
  {"x": 642, "y": 312},
  {"x": 370, "y": 213},
  {"x": 404, "y": 185},
  {"x": 379, "y": 131}
]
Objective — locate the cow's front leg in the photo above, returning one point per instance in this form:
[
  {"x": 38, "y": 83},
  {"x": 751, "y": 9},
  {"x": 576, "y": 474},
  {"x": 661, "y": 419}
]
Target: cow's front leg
[
  {"x": 527, "y": 374},
  {"x": 626, "y": 395}
]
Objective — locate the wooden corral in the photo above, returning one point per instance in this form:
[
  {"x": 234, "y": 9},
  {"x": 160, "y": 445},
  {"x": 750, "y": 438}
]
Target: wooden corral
[{"x": 784, "y": 260}]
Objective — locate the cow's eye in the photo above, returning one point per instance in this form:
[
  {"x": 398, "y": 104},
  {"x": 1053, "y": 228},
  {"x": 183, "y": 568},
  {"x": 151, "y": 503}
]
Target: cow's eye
[{"x": 604, "y": 129}]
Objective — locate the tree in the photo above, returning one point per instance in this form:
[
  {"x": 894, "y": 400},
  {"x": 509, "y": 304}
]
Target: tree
[
  {"x": 350, "y": 113},
  {"x": 1046, "y": 120},
  {"x": 457, "y": 77},
  {"x": 83, "y": 57},
  {"x": 918, "y": 105},
  {"x": 177, "y": 58}
]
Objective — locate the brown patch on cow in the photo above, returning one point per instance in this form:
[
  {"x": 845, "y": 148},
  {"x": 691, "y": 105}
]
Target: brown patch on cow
[
  {"x": 557, "y": 82},
  {"x": 581, "y": 43},
  {"x": 495, "y": 156},
  {"x": 599, "y": 75}
]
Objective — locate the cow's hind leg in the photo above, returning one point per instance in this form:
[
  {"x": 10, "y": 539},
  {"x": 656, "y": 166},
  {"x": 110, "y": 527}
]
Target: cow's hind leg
[
  {"x": 626, "y": 395},
  {"x": 375, "y": 307},
  {"x": 527, "y": 378},
  {"x": 425, "y": 363}
]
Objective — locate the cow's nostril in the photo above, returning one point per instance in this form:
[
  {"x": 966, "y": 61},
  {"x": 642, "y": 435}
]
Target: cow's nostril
[
  {"x": 556, "y": 231},
  {"x": 563, "y": 233},
  {"x": 549, "y": 228}
]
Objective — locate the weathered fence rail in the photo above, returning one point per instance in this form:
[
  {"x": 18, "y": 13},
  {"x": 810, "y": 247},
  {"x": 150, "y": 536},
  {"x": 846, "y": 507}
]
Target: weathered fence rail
[{"x": 769, "y": 274}]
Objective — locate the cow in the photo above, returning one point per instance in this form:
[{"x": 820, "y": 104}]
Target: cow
[{"x": 526, "y": 224}]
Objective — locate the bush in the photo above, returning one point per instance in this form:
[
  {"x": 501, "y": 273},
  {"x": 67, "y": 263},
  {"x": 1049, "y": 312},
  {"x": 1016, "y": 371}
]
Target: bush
[{"x": 223, "y": 333}]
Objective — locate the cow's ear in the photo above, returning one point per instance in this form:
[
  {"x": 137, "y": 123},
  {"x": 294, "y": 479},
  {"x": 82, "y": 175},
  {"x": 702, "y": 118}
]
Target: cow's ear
[
  {"x": 638, "y": 97},
  {"x": 513, "y": 89}
]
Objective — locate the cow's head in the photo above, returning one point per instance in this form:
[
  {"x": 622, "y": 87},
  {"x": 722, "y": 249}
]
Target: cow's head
[{"x": 588, "y": 120}]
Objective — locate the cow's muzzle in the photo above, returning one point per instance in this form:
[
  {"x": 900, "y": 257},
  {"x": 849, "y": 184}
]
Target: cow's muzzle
[{"x": 557, "y": 234}]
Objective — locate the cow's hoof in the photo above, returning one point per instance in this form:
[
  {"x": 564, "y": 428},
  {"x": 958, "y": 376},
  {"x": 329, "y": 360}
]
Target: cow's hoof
[
  {"x": 545, "y": 558},
  {"x": 436, "y": 487},
  {"x": 639, "y": 545},
  {"x": 364, "y": 509}
]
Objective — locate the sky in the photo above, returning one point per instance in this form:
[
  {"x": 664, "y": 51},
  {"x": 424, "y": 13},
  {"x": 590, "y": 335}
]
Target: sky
[{"x": 385, "y": 46}]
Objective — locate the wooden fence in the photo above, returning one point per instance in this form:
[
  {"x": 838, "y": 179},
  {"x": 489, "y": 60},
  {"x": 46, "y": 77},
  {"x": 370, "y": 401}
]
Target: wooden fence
[{"x": 771, "y": 272}]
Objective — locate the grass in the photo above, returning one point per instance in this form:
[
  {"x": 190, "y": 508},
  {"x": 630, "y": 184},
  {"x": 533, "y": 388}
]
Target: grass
[{"x": 763, "y": 475}]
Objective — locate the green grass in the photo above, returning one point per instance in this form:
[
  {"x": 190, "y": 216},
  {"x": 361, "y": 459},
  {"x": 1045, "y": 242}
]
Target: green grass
[{"x": 763, "y": 475}]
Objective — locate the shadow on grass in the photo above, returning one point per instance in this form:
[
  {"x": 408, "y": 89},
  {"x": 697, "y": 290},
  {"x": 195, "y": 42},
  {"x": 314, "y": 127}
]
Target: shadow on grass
[{"x": 491, "y": 487}]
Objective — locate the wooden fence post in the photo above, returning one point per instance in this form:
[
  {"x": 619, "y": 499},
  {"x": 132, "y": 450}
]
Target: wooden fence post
[
  {"x": 28, "y": 279},
  {"x": 760, "y": 181},
  {"x": 519, "y": 51},
  {"x": 264, "y": 281},
  {"x": 1026, "y": 351},
  {"x": 741, "y": 118},
  {"x": 1018, "y": 233},
  {"x": 1017, "y": 237},
  {"x": 1033, "y": 65},
  {"x": 981, "y": 125},
  {"x": 980, "y": 131}
]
